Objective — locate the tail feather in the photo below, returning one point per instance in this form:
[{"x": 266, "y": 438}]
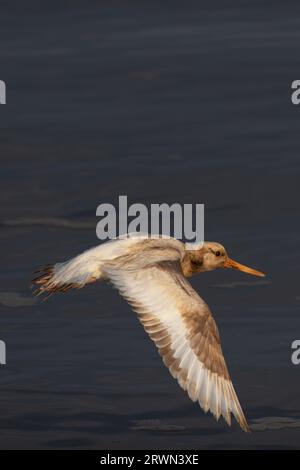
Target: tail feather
[{"x": 46, "y": 284}]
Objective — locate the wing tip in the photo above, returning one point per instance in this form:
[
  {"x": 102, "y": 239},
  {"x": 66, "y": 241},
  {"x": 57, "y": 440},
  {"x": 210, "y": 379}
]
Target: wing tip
[
  {"x": 231, "y": 406},
  {"x": 240, "y": 419},
  {"x": 243, "y": 423}
]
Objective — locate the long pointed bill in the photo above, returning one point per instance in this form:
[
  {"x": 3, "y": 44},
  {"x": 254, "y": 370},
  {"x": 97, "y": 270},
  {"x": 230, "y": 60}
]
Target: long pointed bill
[{"x": 229, "y": 263}]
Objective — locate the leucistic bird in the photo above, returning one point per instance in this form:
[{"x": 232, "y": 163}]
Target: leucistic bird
[{"x": 151, "y": 274}]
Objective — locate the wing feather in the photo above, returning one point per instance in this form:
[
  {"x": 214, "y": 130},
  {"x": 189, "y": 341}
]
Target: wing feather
[{"x": 183, "y": 329}]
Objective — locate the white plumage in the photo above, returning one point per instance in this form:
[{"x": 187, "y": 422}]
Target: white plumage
[{"x": 150, "y": 273}]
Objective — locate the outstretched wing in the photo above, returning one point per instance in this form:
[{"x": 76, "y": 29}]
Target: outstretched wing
[
  {"x": 87, "y": 266},
  {"x": 182, "y": 327},
  {"x": 148, "y": 274}
]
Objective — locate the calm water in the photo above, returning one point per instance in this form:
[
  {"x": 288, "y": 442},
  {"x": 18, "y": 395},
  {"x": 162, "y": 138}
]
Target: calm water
[{"x": 164, "y": 103}]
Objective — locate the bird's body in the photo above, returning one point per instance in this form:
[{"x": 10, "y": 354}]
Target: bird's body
[{"x": 151, "y": 274}]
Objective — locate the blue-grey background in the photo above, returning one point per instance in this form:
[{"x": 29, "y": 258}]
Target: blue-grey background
[{"x": 164, "y": 102}]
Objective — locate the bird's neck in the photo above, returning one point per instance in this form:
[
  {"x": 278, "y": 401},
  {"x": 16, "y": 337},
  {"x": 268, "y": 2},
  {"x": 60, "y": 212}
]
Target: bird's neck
[{"x": 192, "y": 263}]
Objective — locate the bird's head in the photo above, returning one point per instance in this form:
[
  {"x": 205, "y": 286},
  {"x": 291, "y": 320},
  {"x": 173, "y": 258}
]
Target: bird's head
[{"x": 210, "y": 256}]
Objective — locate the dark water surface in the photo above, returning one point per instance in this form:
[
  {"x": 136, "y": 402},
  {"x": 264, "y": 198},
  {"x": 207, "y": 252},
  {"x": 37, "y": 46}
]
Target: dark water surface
[{"x": 163, "y": 103}]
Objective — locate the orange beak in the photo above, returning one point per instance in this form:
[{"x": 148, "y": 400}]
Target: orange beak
[{"x": 229, "y": 263}]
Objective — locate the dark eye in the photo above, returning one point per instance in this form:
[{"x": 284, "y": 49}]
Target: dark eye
[{"x": 217, "y": 253}]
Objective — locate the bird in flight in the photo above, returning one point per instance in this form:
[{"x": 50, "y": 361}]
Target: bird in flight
[{"x": 151, "y": 274}]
